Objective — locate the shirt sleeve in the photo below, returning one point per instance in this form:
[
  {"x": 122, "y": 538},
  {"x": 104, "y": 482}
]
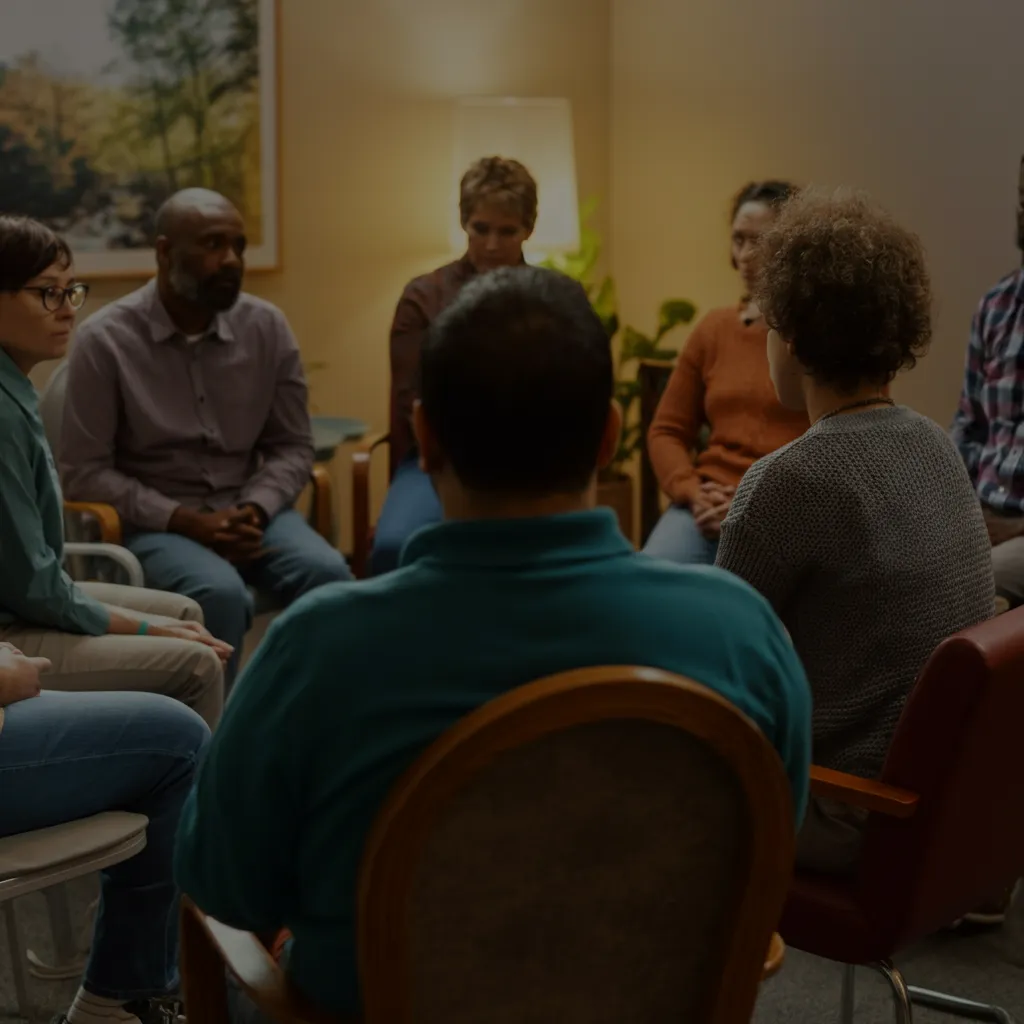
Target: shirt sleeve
[
  {"x": 89, "y": 434},
  {"x": 286, "y": 441},
  {"x": 235, "y": 853},
  {"x": 754, "y": 545},
  {"x": 408, "y": 330},
  {"x": 677, "y": 423},
  {"x": 33, "y": 584},
  {"x": 970, "y": 426}
]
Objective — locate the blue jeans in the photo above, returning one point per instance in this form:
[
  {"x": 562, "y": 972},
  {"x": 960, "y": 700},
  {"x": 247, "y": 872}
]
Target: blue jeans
[
  {"x": 411, "y": 503},
  {"x": 677, "y": 538},
  {"x": 299, "y": 561},
  {"x": 65, "y": 756}
]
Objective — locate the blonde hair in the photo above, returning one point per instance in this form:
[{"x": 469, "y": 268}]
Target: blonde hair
[{"x": 502, "y": 182}]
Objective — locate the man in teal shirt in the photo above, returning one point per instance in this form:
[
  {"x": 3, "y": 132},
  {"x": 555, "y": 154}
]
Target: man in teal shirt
[{"x": 524, "y": 578}]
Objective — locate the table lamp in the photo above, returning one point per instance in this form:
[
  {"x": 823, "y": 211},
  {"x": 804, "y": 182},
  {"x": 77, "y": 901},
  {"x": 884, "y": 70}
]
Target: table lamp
[{"x": 537, "y": 133}]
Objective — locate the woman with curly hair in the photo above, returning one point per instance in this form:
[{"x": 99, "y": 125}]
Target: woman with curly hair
[
  {"x": 865, "y": 533},
  {"x": 721, "y": 381}
]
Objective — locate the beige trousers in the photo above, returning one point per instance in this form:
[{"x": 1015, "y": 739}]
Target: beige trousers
[{"x": 183, "y": 669}]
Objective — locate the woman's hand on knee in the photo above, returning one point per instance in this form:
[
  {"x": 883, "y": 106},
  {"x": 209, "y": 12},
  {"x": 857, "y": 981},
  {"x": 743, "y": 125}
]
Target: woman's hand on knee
[{"x": 198, "y": 633}]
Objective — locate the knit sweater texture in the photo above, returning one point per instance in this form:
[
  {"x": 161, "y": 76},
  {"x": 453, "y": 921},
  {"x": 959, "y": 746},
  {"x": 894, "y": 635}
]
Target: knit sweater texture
[{"x": 866, "y": 536}]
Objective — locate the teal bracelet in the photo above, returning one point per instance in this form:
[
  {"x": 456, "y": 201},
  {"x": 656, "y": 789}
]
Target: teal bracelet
[{"x": 143, "y": 628}]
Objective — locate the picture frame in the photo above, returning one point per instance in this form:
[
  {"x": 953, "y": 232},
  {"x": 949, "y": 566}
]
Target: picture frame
[{"x": 107, "y": 107}]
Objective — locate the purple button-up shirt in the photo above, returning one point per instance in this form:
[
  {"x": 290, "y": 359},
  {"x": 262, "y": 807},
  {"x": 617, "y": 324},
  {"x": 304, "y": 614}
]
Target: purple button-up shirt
[{"x": 152, "y": 422}]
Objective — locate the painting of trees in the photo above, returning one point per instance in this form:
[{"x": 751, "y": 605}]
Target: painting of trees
[{"x": 179, "y": 101}]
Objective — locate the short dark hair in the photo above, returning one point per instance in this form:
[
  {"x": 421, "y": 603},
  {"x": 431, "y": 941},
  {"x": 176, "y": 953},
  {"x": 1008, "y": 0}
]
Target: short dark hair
[
  {"x": 847, "y": 286},
  {"x": 27, "y": 248},
  {"x": 772, "y": 192},
  {"x": 515, "y": 379}
]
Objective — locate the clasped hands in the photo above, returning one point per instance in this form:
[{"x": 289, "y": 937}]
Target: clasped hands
[
  {"x": 234, "y": 533},
  {"x": 710, "y": 507}
]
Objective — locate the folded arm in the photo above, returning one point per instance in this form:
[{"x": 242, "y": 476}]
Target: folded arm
[{"x": 88, "y": 440}]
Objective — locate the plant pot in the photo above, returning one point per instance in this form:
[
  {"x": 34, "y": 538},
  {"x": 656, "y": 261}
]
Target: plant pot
[{"x": 616, "y": 492}]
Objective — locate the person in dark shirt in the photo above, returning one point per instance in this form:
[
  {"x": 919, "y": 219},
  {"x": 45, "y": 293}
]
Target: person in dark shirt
[{"x": 498, "y": 209}]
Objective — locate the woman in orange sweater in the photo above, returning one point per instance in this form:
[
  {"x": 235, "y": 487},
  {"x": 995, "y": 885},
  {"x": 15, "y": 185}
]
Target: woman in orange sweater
[{"x": 721, "y": 379}]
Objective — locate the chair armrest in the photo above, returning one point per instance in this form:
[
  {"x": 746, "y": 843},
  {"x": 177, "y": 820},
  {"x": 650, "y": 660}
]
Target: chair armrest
[
  {"x": 115, "y": 553},
  {"x": 361, "y": 459},
  {"x": 863, "y": 793},
  {"x": 321, "y": 514},
  {"x": 208, "y": 946},
  {"x": 106, "y": 515}
]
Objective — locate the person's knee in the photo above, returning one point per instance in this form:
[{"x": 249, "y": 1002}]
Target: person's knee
[
  {"x": 191, "y": 611},
  {"x": 205, "y": 676},
  {"x": 224, "y": 597},
  {"x": 315, "y": 572}
]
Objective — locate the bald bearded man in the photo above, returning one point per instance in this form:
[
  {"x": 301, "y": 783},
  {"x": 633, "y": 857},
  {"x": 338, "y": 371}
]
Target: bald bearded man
[{"x": 186, "y": 410}]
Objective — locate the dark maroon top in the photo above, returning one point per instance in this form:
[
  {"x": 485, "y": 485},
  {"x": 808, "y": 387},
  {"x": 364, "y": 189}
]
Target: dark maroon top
[{"x": 422, "y": 300}]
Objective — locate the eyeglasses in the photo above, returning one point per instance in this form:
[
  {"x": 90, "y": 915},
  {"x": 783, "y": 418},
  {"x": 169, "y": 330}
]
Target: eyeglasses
[{"x": 53, "y": 297}]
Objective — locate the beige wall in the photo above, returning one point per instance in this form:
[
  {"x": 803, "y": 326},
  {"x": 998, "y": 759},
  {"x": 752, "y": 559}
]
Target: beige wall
[
  {"x": 917, "y": 101},
  {"x": 367, "y": 149}
]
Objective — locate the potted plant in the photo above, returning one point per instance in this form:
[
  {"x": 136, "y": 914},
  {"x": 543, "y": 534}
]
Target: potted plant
[{"x": 615, "y": 485}]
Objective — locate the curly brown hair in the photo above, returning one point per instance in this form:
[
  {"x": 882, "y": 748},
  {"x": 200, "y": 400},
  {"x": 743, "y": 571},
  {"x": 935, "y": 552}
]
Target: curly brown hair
[
  {"x": 502, "y": 182},
  {"x": 847, "y": 286}
]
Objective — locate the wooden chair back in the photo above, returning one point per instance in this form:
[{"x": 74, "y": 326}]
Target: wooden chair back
[{"x": 603, "y": 845}]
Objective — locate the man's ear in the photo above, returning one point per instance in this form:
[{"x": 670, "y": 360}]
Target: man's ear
[
  {"x": 611, "y": 436},
  {"x": 430, "y": 455}
]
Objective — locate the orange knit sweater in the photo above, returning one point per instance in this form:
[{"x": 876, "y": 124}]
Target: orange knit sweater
[{"x": 721, "y": 379}]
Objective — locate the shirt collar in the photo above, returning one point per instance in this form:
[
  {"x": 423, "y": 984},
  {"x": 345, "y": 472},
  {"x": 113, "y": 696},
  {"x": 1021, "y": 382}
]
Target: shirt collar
[
  {"x": 163, "y": 328},
  {"x": 520, "y": 543},
  {"x": 17, "y": 385}
]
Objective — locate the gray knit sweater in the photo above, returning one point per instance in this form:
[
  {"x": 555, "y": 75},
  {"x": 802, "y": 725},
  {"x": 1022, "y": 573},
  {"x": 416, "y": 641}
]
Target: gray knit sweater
[{"x": 866, "y": 536}]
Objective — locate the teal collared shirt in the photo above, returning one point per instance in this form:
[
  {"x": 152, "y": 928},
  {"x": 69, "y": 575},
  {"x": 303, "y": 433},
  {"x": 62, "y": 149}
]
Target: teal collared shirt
[
  {"x": 34, "y": 588},
  {"x": 357, "y": 679}
]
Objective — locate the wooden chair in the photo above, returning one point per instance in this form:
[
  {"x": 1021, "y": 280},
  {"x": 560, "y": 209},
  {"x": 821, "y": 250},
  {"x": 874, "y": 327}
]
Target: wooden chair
[
  {"x": 605, "y": 845},
  {"x": 362, "y": 527},
  {"x": 945, "y": 829},
  {"x": 108, "y": 523}
]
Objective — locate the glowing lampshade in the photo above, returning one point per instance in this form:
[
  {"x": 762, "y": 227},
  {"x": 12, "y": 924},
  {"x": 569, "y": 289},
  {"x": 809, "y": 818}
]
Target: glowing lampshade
[{"x": 537, "y": 133}]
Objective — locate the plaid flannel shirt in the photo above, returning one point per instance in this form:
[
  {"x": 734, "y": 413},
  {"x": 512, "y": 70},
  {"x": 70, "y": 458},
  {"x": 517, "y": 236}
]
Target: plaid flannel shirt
[{"x": 989, "y": 424}]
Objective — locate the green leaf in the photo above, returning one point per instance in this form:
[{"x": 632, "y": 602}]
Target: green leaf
[
  {"x": 604, "y": 302},
  {"x": 632, "y": 342},
  {"x": 674, "y": 312}
]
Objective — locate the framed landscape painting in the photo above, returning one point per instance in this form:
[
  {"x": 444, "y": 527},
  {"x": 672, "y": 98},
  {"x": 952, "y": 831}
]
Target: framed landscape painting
[{"x": 107, "y": 107}]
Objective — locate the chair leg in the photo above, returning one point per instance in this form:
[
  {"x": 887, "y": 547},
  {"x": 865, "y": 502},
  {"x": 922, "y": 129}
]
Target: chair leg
[
  {"x": 849, "y": 986},
  {"x": 900, "y": 994},
  {"x": 959, "y": 1007},
  {"x": 68, "y": 961},
  {"x": 17, "y": 960}
]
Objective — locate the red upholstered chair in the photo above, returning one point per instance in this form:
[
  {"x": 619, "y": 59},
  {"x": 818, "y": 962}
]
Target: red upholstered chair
[{"x": 946, "y": 828}]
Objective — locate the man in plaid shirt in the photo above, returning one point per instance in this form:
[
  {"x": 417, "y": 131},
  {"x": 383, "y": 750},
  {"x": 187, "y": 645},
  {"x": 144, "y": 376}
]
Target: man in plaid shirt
[{"x": 989, "y": 424}]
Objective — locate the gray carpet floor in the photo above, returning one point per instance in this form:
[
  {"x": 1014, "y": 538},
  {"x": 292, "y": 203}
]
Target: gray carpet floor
[{"x": 985, "y": 966}]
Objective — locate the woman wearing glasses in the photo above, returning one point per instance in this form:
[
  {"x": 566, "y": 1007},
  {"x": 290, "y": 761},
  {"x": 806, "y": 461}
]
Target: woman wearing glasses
[{"x": 96, "y": 636}]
